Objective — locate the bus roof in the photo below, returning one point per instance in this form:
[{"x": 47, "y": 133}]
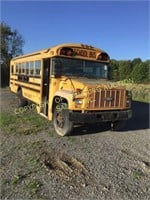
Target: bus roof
[{"x": 53, "y": 51}]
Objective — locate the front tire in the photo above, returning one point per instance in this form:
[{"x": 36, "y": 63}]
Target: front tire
[{"x": 62, "y": 125}]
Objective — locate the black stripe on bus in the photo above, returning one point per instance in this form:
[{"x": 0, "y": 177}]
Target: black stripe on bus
[
  {"x": 37, "y": 84},
  {"x": 25, "y": 81},
  {"x": 30, "y": 76},
  {"x": 37, "y": 90}
]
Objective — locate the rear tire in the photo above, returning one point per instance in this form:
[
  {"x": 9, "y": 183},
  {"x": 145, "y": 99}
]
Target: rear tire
[
  {"x": 21, "y": 100},
  {"x": 62, "y": 125}
]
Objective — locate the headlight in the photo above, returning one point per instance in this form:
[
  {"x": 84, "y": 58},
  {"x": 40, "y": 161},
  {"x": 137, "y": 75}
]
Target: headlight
[
  {"x": 128, "y": 94},
  {"x": 128, "y": 103},
  {"x": 128, "y": 98},
  {"x": 78, "y": 101}
]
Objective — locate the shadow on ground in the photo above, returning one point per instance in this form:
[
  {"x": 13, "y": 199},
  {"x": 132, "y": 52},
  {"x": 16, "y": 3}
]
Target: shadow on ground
[
  {"x": 140, "y": 118},
  {"x": 139, "y": 121}
]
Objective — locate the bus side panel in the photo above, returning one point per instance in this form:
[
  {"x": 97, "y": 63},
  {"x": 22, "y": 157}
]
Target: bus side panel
[
  {"x": 31, "y": 95},
  {"x": 13, "y": 87}
]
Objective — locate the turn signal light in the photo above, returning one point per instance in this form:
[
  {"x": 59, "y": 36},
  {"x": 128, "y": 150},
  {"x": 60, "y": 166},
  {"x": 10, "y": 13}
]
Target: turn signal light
[{"x": 66, "y": 51}]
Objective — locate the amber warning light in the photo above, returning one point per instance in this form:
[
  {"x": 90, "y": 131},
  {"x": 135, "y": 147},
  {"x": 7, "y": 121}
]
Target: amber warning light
[
  {"x": 67, "y": 51},
  {"x": 103, "y": 56}
]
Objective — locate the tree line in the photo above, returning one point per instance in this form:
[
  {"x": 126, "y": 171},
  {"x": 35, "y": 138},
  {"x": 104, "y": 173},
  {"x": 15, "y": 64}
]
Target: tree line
[
  {"x": 135, "y": 70},
  {"x": 12, "y": 44}
]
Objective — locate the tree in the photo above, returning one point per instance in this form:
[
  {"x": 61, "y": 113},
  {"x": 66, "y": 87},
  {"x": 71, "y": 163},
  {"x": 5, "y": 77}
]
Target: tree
[
  {"x": 140, "y": 73},
  {"x": 114, "y": 70},
  {"x": 136, "y": 70},
  {"x": 11, "y": 46},
  {"x": 136, "y": 61},
  {"x": 125, "y": 69}
]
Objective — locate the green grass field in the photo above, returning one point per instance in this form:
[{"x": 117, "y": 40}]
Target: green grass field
[
  {"x": 24, "y": 123},
  {"x": 140, "y": 92}
]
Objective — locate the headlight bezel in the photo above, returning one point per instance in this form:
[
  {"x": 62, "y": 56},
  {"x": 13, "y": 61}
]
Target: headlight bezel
[
  {"x": 78, "y": 101},
  {"x": 128, "y": 94},
  {"x": 128, "y": 98}
]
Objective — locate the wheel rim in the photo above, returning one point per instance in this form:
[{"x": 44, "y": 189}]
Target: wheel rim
[{"x": 60, "y": 121}]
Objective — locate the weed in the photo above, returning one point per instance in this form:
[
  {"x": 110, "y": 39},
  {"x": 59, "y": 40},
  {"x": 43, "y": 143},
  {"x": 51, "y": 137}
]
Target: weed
[
  {"x": 138, "y": 174},
  {"x": 140, "y": 92},
  {"x": 32, "y": 186},
  {"x": 16, "y": 179}
]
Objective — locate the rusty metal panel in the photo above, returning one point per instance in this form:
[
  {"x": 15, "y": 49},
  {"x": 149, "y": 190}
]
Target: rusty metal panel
[{"x": 106, "y": 99}]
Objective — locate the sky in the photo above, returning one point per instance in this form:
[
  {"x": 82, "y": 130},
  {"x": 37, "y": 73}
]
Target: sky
[{"x": 121, "y": 28}]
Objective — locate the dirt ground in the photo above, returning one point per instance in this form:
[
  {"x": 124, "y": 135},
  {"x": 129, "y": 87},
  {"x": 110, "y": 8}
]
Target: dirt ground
[{"x": 91, "y": 164}]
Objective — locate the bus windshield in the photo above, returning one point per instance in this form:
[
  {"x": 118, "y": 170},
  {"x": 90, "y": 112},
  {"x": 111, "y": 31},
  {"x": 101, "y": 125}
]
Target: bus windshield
[{"x": 80, "y": 68}]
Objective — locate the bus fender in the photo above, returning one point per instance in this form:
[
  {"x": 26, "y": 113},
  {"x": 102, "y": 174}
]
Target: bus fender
[{"x": 63, "y": 94}]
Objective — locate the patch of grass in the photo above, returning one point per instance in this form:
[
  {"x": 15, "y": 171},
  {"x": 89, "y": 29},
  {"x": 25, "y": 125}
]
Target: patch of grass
[
  {"x": 25, "y": 123},
  {"x": 17, "y": 179},
  {"x": 36, "y": 144},
  {"x": 138, "y": 174},
  {"x": 5, "y": 182},
  {"x": 140, "y": 92},
  {"x": 33, "y": 164},
  {"x": 32, "y": 186}
]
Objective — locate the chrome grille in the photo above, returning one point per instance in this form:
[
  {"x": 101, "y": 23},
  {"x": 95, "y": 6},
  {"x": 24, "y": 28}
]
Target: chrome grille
[{"x": 106, "y": 99}]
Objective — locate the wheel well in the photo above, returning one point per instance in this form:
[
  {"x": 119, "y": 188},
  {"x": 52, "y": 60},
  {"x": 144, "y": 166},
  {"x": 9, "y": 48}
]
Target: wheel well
[
  {"x": 19, "y": 88},
  {"x": 57, "y": 100}
]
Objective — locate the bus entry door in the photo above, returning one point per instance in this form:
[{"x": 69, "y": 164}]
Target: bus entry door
[{"x": 45, "y": 86}]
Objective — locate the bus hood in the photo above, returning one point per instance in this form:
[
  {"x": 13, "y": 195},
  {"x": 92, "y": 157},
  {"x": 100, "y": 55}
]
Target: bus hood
[{"x": 93, "y": 83}]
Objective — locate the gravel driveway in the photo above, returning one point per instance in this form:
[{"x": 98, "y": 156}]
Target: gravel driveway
[{"x": 92, "y": 164}]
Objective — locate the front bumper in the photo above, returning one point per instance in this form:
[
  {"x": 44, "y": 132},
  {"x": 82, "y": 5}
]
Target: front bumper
[{"x": 102, "y": 116}]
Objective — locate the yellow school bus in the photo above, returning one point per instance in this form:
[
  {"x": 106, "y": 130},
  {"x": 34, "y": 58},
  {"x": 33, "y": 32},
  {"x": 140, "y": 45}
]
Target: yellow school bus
[{"x": 69, "y": 84}]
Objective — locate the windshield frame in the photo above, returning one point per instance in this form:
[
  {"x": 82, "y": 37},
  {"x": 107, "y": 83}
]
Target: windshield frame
[{"x": 59, "y": 68}]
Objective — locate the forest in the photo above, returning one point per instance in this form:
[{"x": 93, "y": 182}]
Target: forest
[{"x": 136, "y": 70}]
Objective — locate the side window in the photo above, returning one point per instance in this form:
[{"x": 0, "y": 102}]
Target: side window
[
  {"x": 23, "y": 68},
  {"x": 37, "y": 67},
  {"x": 27, "y": 68},
  {"x": 17, "y": 68},
  {"x": 32, "y": 68}
]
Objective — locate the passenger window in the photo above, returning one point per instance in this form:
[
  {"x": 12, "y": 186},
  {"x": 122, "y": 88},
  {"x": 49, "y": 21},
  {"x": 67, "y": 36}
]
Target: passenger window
[
  {"x": 37, "y": 67},
  {"x": 32, "y": 67},
  {"x": 23, "y": 68},
  {"x": 27, "y": 68},
  {"x": 19, "y": 66},
  {"x": 17, "y": 70}
]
